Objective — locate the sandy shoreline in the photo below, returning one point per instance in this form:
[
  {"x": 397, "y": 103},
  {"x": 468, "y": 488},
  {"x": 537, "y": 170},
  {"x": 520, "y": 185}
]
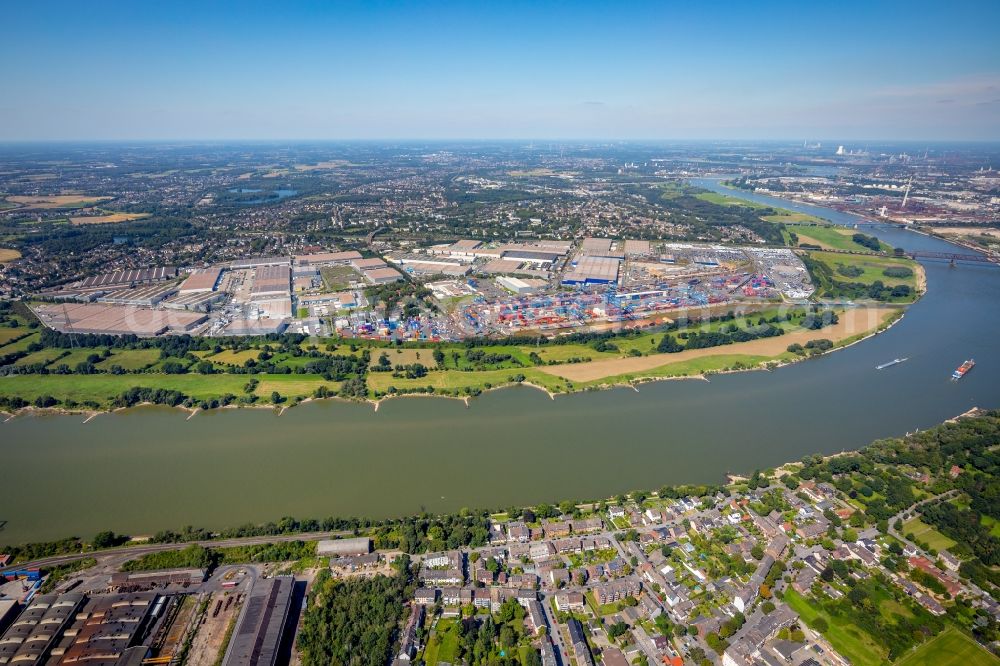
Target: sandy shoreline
[{"x": 852, "y": 322}]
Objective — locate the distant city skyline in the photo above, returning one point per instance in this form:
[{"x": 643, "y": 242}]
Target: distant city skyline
[{"x": 514, "y": 70}]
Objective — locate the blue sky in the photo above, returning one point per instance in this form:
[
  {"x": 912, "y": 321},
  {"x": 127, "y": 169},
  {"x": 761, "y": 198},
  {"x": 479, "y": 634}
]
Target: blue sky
[{"x": 614, "y": 70}]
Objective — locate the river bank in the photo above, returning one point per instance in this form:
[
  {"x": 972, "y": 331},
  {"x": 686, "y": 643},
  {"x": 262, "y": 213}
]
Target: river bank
[{"x": 143, "y": 469}]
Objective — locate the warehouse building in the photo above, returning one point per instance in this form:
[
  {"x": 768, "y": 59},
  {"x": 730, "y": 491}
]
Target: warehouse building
[
  {"x": 201, "y": 281},
  {"x": 261, "y": 623},
  {"x": 148, "y": 295},
  {"x": 592, "y": 270},
  {"x": 107, "y": 631},
  {"x": 254, "y": 262},
  {"x": 116, "y": 319},
  {"x": 130, "y": 276},
  {"x": 196, "y": 301},
  {"x": 256, "y": 326},
  {"x": 269, "y": 281},
  {"x": 382, "y": 275},
  {"x": 327, "y": 258},
  {"x": 344, "y": 547},
  {"x": 30, "y": 639},
  {"x": 8, "y": 611},
  {"x": 519, "y": 286},
  {"x": 543, "y": 257}
]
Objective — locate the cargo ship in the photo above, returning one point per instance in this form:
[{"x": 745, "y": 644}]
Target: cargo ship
[
  {"x": 963, "y": 369},
  {"x": 891, "y": 363}
]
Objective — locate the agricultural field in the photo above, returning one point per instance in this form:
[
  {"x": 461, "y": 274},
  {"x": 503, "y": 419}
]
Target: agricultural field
[
  {"x": 949, "y": 648},
  {"x": 402, "y": 356},
  {"x": 44, "y": 356},
  {"x": 925, "y": 533},
  {"x": 56, "y": 201},
  {"x": 7, "y": 255},
  {"x": 19, "y": 345},
  {"x": 292, "y": 385},
  {"x": 7, "y": 334},
  {"x": 231, "y": 357},
  {"x": 108, "y": 218},
  {"x": 130, "y": 359}
]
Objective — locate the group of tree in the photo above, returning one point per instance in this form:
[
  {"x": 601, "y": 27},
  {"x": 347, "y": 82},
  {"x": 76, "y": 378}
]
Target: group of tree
[{"x": 354, "y": 621}]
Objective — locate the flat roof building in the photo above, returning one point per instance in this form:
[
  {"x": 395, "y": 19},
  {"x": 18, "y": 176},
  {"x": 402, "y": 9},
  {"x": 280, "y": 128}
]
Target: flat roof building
[
  {"x": 592, "y": 270},
  {"x": 256, "y": 326},
  {"x": 201, "y": 281},
  {"x": 343, "y": 547},
  {"x": 116, "y": 319},
  {"x": 271, "y": 281},
  {"x": 253, "y": 262},
  {"x": 382, "y": 275},
  {"x": 321, "y": 258},
  {"x": 28, "y": 641},
  {"x": 129, "y": 276},
  {"x": 261, "y": 623}
]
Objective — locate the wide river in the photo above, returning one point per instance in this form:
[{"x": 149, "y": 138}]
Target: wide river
[{"x": 150, "y": 468}]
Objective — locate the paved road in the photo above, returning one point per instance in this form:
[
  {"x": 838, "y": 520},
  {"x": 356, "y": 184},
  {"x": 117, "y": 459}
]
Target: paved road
[{"x": 132, "y": 552}]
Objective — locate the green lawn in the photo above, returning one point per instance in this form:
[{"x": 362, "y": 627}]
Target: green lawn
[
  {"x": 949, "y": 648},
  {"x": 848, "y": 639},
  {"x": 445, "y": 648},
  {"x": 926, "y": 533}
]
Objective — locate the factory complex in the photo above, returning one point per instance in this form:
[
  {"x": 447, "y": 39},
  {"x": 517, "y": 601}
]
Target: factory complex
[{"x": 482, "y": 289}]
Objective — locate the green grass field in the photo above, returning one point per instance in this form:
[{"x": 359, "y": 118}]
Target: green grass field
[
  {"x": 727, "y": 200},
  {"x": 20, "y": 345},
  {"x": 790, "y": 217},
  {"x": 338, "y": 278},
  {"x": 949, "y": 648},
  {"x": 445, "y": 646},
  {"x": 458, "y": 379},
  {"x": 103, "y": 388},
  {"x": 131, "y": 359},
  {"x": 848, "y": 639},
  {"x": 991, "y": 523},
  {"x": 872, "y": 266},
  {"x": 7, "y": 334},
  {"x": 828, "y": 237},
  {"x": 292, "y": 385},
  {"x": 45, "y": 356},
  {"x": 230, "y": 357},
  {"x": 926, "y": 533}
]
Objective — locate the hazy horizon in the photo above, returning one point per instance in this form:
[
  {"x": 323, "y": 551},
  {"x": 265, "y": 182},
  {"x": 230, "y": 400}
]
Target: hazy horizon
[{"x": 395, "y": 71}]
